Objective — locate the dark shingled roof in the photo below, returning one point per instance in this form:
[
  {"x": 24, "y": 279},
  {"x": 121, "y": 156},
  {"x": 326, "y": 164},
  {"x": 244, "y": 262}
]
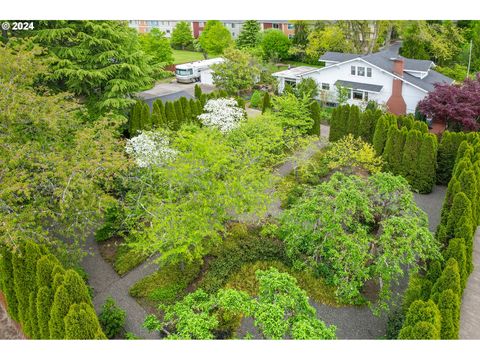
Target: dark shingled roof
[
  {"x": 384, "y": 60},
  {"x": 359, "y": 86}
]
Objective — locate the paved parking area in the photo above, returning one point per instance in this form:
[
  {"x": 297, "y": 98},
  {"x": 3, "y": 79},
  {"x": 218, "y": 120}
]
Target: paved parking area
[{"x": 169, "y": 90}]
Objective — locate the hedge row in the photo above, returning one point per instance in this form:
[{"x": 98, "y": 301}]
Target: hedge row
[
  {"x": 404, "y": 143},
  {"x": 432, "y": 301},
  {"x": 171, "y": 115},
  {"x": 47, "y": 300},
  {"x": 349, "y": 119}
]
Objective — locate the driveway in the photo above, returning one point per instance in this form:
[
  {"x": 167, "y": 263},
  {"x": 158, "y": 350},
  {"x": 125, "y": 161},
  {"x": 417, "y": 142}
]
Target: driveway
[{"x": 171, "y": 91}]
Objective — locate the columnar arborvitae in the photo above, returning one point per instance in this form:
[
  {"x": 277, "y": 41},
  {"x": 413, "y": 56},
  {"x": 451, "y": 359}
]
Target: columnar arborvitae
[
  {"x": 8, "y": 286},
  {"x": 179, "y": 115},
  {"x": 266, "y": 103},
  {"x": 33, "y": 318},
  {"x": 60, "y": 307},
  {"x": 393, "y": 134},
  {"x": 198, "y": 91},
  {"x": 461, "y": 208},
  {"x": 81, "y": 323},
  {"x": 158, "y": 114},
  {"x": 449, "y": 307},
  {"x": 19, "y": 277},
  {"x": 424, "y": 179},
  {"x": 203, "y": 99},
  {"x": 44, "y": 304},
  {"x": 135, "y": 119},
  {"x": 406, "y": 121},
  {"x": 76, "y": 287},
  {"x": 171, "y": 116},
  {"x": 187, "y": 111},
  {"x": 447, "y": 153},
  {"x": 333, "y": 134},
  {"x": 457, "y": 250},
  {"x": 146, "y": 118},
  {"x": 344, "y": 120},
  {"x": 422, "y": 321},
  {"x": 450, "y": 279},
  {"x": 410, "y": 155},
  {"x": 353, "y": 121},
  {"x": 398, "y": 149},
  {"x": 420, "y": 126},
  {"x": 468, "y": 182},
  {"x": 380, "y": 134},
  {"x": 194, "y": 110},
  {"x": 315, "y": 113}
]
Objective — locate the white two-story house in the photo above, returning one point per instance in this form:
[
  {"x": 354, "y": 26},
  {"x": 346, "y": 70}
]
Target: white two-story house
[{"x": 385, "y": 77}]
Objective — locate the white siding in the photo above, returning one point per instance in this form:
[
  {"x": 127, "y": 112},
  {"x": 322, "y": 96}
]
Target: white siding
[{"x": 333, "y": 73}]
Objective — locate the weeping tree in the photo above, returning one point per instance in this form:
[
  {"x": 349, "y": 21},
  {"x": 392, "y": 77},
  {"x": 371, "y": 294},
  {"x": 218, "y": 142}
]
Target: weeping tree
[{"x": 352, "y": 230}]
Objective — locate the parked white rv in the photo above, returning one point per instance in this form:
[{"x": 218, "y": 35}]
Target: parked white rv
[{"x": 192, "y": 72}]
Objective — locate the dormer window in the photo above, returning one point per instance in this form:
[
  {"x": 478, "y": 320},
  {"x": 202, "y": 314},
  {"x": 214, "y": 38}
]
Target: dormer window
[
  {"x": 360, "y": 71},
  {"x": 369, "y": 72},
  {"x": 353, "y": 70}
]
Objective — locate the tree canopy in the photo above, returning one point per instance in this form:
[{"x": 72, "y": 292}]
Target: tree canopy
[
  {"x": 156, "y": 44},
  {"x": 182, "y": 35},
  {"x": 249, "y": 36},
  {"x": 275, "y": 45},
  {"x": 215, "y": 37},
  {"x": 351, "y": 229}
]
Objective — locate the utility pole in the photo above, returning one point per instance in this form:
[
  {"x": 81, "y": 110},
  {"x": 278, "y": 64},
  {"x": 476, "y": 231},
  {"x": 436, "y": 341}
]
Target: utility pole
[{"x": 469, "y": 58}]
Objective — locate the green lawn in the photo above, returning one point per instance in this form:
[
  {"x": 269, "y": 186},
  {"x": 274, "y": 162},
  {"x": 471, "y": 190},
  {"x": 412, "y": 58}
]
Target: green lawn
[{"x": 185, "y": 56}]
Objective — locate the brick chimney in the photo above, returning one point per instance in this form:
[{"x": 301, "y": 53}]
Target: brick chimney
[{"x": 396, "y": 104}]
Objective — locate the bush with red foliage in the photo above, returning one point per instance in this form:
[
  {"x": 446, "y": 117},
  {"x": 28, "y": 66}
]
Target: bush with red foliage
[{"x": 456, "y": 104}]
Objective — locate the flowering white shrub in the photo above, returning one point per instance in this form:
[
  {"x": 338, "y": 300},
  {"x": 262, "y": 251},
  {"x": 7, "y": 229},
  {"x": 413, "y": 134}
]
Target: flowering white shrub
[
  {"x": 223, "y": 114},
  {"x": 150, "y": 148}
]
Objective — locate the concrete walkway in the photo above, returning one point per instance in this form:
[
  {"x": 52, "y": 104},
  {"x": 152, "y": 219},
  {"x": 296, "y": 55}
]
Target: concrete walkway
[
  {"x": 106, "y": 282},
  {"x": 470, "y": 310}
]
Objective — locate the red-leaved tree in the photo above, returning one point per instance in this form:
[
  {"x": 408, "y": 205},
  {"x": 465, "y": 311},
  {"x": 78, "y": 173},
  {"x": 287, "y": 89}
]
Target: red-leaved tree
[{"x": 454, "y": 104}]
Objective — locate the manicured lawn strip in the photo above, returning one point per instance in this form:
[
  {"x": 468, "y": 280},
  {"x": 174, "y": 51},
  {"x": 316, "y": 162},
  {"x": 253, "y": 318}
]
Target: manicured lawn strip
[
  {"x": 127, "y": 259},
  {"x": 315, "y": 287},
  {"x": 167, "y": 285},
  {"x": 185, "y": 56}
]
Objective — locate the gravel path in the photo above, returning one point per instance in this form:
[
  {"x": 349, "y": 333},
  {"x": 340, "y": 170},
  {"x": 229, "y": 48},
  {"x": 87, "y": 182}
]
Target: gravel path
[
  {"x": 469, "y": 313},
  {"x": 106, "y": 282}
]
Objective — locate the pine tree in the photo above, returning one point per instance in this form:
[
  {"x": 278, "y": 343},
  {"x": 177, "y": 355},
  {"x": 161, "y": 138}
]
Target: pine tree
[
  {"x": 81, "y": 323},
  {"x": 44, "y": 306},
  {"x": 424, "y": 179},
  {"x": 449, "y": 307},
  {"x": 8, "y": 286},
  {"x": 457, "y": 250},
  {"x": 60, "y": 307},
  {"x": 410, "y": 155},
  {"x": 250, "y": 35},
  {"x": 198, "y": 91},
  {"x": 266, "y": 104},
  {"x": 171, "y": 116},
  {"x": 450, "y": 279},
  {"x": 353, "y": 122},
  {"x": 315, "y": 112}
]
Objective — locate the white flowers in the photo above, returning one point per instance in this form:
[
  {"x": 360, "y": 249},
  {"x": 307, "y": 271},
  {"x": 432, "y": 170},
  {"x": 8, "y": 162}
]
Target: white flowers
[
  {"x": 150, "y": 148},
  {"x": 223, "y": 114}
]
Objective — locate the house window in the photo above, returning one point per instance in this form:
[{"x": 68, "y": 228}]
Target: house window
[
  {"x": 325, "y": 86},
  {"x": 360, "y": 71},
  {"x": 352, "y": 70},
  {"x": 276, "y": 26},
  {"x": 233, "y": 34},
  {"x": 291, "y": 26},
  {"x": 369, "y": 72},
  {"x": 233, "y": 26},
  {"x": 357, "y": 95}
]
